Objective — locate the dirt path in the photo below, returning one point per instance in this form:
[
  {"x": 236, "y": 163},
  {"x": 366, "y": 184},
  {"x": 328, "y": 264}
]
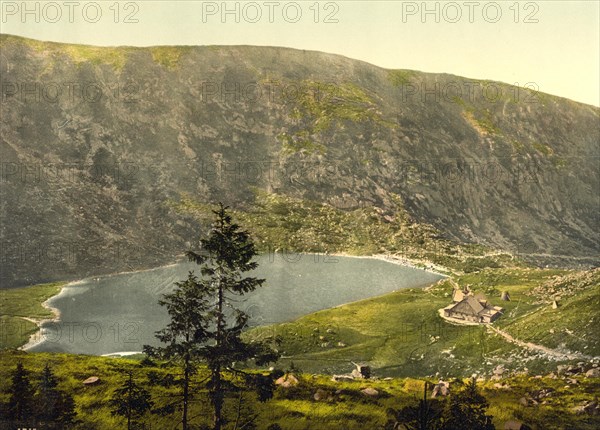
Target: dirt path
[{"x": 532, "y": 346}]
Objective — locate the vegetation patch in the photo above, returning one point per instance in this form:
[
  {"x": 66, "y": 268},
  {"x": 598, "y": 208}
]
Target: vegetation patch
[
  {"x": 398, "y": 78},
  {"x": 281, "y": 222},
  {"x": 169, "y": 56},
  {"x": 319, "y": 109}
]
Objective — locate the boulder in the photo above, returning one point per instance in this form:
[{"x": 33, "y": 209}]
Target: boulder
[
  {"x": 515, "y": 425},
  {"x": 593, "y": 373},
  {"x": 92, "y": 380},
  {"x": 370, "y": 392},
  {"x": 287, "y": 381},
  {"x": 337, "y": 378},
  {"x": 441, "y": 389},
  {"x": 321, "y": 395}
]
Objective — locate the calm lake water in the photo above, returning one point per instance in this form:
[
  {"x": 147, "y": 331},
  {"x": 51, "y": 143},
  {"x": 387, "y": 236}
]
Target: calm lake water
[{"x": 120, "y": 312}]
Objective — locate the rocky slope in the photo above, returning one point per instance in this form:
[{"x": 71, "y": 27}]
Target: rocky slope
[{"x": 96, "y": 143}]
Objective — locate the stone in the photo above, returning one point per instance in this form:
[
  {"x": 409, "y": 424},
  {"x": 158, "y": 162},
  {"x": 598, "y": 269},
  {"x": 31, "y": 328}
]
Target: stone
[
  {"x": 515, "y": 425},
  {"x": 337, "y": 378},
  {"x": 321, "y": 395},
  {"x": 92, "y": 380},
  {"x": 441, "y": 389},
  {"x": 593, "y": 373},
  {"x": 370, "y": 392},
  {"x": 287, "y": 381}
]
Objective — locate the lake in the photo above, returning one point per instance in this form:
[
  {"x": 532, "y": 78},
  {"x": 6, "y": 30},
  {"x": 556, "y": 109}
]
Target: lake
[{"x": 120, "y": 312}]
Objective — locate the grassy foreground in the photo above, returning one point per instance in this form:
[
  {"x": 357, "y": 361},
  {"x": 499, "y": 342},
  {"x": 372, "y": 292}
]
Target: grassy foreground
[{"x": 296, "y": 408}]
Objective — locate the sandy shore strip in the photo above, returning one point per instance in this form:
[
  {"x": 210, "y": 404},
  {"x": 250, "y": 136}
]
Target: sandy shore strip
[
  {"x": 38, "y": 336},
  {"x": 403, "y": 261}
]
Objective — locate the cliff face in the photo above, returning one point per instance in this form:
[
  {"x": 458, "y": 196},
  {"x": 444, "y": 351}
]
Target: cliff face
[{"x": 95, "y": 142}]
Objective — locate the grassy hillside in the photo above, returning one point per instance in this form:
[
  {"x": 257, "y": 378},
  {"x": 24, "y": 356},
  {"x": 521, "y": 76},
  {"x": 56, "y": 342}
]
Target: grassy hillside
[
  {"x": 295, "y": 408},
  {"x": 401, "y": 334},
  {"x": 574, "y": 324}
]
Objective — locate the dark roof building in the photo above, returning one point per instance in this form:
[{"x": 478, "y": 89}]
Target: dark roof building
[{"x": 473, "y": 308}]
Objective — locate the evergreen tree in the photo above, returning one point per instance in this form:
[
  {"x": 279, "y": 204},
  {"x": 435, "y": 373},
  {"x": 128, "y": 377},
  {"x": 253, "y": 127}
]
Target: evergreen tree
[
  {"x": 53, "y": 408},
  {"x": 130, "y": 401},
  {"x": 225, "y": 256},
  {"x": 467, "y": 410},
  {"x": 20, "y": 402},
  {"x": 206, "y": 326},
  {"x": 184, "y": 336}
]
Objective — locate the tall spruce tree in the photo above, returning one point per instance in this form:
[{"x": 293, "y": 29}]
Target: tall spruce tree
[
  {"x": 20, "y": 402},
  {"x": 184, "y": 337},
  {"x": 205, "y": 324},
  {"x": 130, "y": 401}
]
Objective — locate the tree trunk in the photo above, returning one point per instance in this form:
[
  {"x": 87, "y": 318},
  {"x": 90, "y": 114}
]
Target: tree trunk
[
  {"x": 218, "y": 395},
  {"x": 186, "y": 379}
]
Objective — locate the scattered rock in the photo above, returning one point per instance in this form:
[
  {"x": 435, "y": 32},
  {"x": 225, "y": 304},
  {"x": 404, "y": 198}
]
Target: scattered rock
[
  {"x": 586, "y": 408},
  {"x": 92, "y": 380},
  {"x": 593, "y": 373},
  {"x": 321, "y": 395},
  {"x": 337, "y": 378},
  {"x": 287, "y": 381},
  {"x": 440, "y": 389},
  {"x": 371, "y": 392},
  {"x": 502, "y": 386},
  {"x": 341, "y": 344},
  {"x": 515, "y": 425},
  {"x": 528, "y": 401}
]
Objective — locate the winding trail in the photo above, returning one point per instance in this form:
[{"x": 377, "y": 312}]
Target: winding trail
[{"x": 532, "y": 346}]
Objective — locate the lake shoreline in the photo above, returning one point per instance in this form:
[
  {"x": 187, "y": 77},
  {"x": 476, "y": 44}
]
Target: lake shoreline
[{"x": 37, "y": 337}]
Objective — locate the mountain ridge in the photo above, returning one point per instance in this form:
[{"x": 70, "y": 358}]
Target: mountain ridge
[{"x": 87, "y": 175}]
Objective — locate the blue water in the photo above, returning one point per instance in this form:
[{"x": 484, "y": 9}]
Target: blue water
[{"x": 121, "y": 313}]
